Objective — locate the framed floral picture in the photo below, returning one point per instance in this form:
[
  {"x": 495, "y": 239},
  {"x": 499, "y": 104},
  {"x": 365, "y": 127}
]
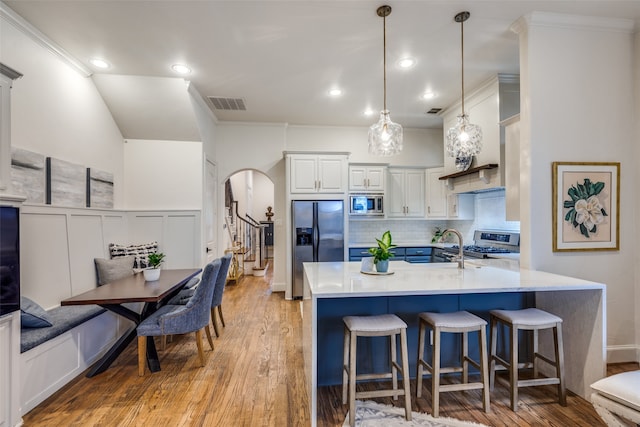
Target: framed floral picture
[{"x": 586, "y": 204}]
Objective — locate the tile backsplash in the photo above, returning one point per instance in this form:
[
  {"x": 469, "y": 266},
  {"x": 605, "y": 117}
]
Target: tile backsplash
[{"x": 489, "y": 214}]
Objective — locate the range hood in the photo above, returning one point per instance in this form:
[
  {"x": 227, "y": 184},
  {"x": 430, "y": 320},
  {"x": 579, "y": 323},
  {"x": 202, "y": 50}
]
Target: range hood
[{"x": 489, "y": 104}]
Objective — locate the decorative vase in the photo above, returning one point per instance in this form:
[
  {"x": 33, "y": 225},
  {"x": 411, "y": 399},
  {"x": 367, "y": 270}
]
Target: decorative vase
[
  {"x": 151, "y": 274},
  {"x": 463, "y": 163},
  {"x": 382, "y": 266}
]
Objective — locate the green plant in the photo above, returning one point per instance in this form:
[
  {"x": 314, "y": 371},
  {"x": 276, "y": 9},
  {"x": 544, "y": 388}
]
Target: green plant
[
  {"x": 383, "y": 251},
  {"x": 437, "y": 234},
  {"x": 155, "y": 259}
]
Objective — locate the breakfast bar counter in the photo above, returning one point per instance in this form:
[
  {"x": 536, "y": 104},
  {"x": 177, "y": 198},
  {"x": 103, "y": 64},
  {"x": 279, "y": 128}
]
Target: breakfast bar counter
[{"x": 336, "y": 289}]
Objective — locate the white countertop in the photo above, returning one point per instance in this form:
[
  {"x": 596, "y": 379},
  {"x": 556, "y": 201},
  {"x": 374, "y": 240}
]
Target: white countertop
[{"x": 344, "y": 279}]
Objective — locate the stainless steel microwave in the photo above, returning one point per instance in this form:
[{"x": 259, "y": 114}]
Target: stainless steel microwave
[{"x": 366, "y": 204}]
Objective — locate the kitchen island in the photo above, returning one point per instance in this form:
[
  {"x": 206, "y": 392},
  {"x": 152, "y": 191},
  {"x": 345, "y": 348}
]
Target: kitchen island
[{"x": 333, "y": 290}]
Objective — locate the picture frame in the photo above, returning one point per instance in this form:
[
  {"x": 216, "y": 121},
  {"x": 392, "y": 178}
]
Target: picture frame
[{"x": 586, "y": 206}]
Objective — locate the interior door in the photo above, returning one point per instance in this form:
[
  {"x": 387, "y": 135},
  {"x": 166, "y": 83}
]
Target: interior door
[{"x": 210, "y": 210}]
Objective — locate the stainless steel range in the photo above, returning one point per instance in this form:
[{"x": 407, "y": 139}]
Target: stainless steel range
[{"x": 486, "y": 244}]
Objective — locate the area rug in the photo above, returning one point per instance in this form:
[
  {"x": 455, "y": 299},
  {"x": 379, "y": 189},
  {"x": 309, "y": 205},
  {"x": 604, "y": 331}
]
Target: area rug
[{"x": 372, "y": 414}]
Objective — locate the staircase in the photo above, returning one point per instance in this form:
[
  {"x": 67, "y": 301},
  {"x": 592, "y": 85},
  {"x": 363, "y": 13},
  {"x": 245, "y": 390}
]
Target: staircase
[{"x": 247, "y": 244}]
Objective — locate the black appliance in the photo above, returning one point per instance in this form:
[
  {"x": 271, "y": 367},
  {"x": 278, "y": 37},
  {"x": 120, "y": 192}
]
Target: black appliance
[{"x": 9, "y": 259}]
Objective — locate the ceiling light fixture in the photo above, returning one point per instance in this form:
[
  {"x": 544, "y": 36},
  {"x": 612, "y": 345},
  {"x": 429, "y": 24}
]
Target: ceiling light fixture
[
  {"x": 464, "y": 140},
  {"x": 335, "y": 92},
  {"x": 181, "y": 68},
  {"x": 99, "y": 63},
  {"x": 406, "y": 62},
  {"x": 385, "y": 137}
]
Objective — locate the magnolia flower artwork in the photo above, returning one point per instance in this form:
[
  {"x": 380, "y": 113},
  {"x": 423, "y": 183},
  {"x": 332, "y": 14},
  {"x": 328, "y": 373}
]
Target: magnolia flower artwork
[
  {"x": 586, "y": 206},
  {"x": 585, "y": 210}
]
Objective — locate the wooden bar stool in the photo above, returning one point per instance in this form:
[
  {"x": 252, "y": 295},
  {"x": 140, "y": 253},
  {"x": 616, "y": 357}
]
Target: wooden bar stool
[
  {"x": 374, "y": 326},
  {"x": 534, "y": 320},
  {"x": 459, "y": 322}
]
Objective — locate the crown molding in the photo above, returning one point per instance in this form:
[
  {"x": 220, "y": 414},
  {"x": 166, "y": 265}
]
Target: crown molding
[
  {"x": 36, "y": 35},
  {"x": 561, "y": 20}
]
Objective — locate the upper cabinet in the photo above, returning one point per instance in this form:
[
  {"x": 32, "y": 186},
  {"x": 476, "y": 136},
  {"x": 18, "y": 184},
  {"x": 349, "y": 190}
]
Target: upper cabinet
[
  {"x": 317, "y": 173},
  {"x": 405, "y": 195},
  {"x": 367, "y": 178},
  {"x": 444, "y": 205},
  {"x": 495, "y": 100}
]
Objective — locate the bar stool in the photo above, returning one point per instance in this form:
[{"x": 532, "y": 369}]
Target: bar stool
[
  {"x": 458, "y": 322},
  {"x": 374, "y": 326},
  {"x": 531, "y": 319}
]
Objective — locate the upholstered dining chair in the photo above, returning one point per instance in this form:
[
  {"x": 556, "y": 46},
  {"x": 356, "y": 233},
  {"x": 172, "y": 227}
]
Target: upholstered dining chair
[
  {"x": 181, "y": 319},
  {"x": 216, "y": 302},
  {"x": 185, "y": 294}
]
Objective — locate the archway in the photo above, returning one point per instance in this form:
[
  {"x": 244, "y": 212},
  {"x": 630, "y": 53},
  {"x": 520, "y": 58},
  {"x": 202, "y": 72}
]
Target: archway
[{"x": 249, "y": 200}]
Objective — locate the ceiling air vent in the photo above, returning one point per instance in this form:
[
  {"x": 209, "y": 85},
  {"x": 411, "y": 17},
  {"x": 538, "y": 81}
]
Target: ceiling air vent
[
  {"x": 228, "y": 104},
  {"x": 434, "y": 111}
]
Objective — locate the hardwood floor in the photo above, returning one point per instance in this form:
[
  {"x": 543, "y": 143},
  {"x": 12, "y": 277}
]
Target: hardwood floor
[{"x": 255, "y": 377}]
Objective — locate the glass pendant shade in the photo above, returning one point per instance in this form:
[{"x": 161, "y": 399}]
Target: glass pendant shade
[
  {"x": 464, "y": 139},
  {"x": 385, "y": 136}
]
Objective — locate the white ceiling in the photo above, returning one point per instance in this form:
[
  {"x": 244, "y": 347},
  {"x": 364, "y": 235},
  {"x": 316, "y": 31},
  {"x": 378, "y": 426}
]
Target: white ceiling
[{"x": 282, "y": 57}]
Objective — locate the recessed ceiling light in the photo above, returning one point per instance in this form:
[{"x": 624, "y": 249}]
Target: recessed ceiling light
[
  {"x": 369, "y": 112},
  {"x": 335, "y": 92},
  {"x": 428, "y": 95},
  {"x": 406, "y": 62},
  {"x": 181, "y": 68},
  {"x": 99, "y": 63}
]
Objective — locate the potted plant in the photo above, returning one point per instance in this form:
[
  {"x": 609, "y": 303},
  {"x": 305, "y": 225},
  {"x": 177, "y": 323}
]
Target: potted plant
[
  {"x": 152, "y": 272},
  {"x": 382, "y": 253}
]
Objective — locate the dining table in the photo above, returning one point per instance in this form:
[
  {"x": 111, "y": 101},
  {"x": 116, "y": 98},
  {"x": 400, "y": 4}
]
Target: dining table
[{"x": 133, "y": 289}]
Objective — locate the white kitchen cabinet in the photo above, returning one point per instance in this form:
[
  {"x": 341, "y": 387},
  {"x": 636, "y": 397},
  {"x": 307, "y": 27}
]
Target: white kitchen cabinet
[
  {"x": 444, "y": 205},
  {"x": 406, "y": 195},
  {"x": 436, "y": 194},
  {"x": 512, "y": 167},
  {"x": 365, "y": 178},
  {"x": 460, "y": 206},
  {"x": 317, "y": 173}
]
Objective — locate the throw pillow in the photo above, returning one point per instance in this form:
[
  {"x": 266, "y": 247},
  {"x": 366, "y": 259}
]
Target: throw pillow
[
  {"x": 140, "y": 252},
  {"x": 109, "y": 270},
  {"x": 32, "y": 315},
  {"x": 622, "y": 388}
]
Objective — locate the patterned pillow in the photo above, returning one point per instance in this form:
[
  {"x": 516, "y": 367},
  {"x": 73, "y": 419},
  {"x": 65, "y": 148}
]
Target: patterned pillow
[{"x": 140, "y": 252}]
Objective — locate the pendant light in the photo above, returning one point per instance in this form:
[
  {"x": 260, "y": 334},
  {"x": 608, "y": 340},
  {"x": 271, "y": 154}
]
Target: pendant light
[
  {"x": 464, "y": 140},
  {"x": 385, "y": 137}
]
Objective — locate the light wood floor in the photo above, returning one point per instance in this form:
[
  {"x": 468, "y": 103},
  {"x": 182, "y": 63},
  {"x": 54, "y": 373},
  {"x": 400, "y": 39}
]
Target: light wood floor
[{"x": 255, "y": 377}]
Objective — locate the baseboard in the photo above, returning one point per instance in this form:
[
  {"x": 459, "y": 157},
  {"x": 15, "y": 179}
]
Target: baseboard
[
  {"x": 623, "y": 353},
  {"x": 278, "y": 287}
]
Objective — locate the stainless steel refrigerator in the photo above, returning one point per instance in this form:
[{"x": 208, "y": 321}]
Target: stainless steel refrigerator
[{"x": 318, "y": 235}]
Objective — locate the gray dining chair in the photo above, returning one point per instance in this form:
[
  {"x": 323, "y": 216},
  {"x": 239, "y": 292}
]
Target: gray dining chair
[
  {"x": 181, "y": 319},
  {"x": 216, "y": 303}
]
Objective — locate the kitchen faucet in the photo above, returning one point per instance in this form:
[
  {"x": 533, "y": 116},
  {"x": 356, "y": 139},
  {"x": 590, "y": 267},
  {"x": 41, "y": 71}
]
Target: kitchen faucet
[{"x": 460, "y": 257}]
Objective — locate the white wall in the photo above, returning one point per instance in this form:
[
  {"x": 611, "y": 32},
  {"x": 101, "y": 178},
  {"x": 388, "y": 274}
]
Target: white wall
[
  {"x": 576, "y": 75},
  {"x": 636, "y": 159},
  {"x": 163, "y": 174},
  {"x": 57, "y": 112}
]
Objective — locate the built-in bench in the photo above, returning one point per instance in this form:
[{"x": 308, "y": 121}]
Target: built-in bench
[
  {"x": 52, "y": 356},
  {"x": 63, "y": 319}
]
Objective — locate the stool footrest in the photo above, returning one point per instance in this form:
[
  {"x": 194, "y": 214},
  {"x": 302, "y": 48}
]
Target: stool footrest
[
  {"x": 538, "y": 381},
  {"x": 373, "y": 376},
  {"x": 546, "y": 359},
  {"x": 458, "y": 387},
  {"x": 379, "y": 393}
]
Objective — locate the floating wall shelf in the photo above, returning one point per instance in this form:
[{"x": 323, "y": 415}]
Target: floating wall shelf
[{"x": 479, "y": 169}]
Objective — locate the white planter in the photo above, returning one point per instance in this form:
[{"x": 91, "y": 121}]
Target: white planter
[{"x": 151, "y": 274}]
